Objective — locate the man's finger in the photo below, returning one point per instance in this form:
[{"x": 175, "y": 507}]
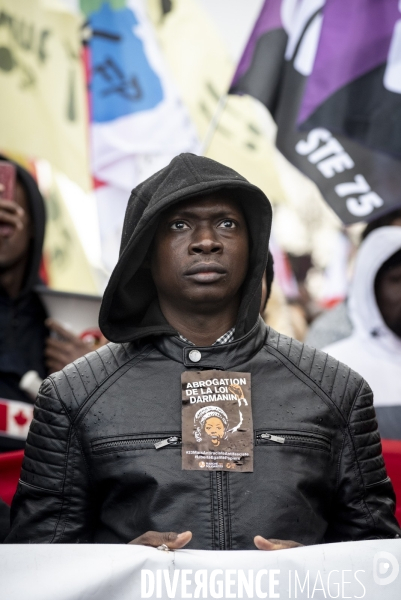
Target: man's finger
[
  {"x": 262, "y": 544},
  {"x": 173, "y": 541},
  {"x": 272, "y": 544},
  {"x": 180, "y": 541}
]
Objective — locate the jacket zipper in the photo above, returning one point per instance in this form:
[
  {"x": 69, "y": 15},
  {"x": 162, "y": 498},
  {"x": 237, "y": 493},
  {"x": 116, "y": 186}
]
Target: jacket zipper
[
  {"x": 167, "y": 442},
  {"x": 220, "y": 513},
  {"x": 282, "y": 439},
  {"x": 157, "y": 442},
  {"x": 269, "y": 436}
]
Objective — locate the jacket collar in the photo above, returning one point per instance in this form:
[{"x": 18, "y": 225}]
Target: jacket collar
[{"x": 223, "y": 356}]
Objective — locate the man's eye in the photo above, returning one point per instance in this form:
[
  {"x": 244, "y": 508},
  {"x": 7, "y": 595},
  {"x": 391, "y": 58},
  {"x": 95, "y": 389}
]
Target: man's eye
[
  {"x": 227, "y": 224},
  {"x": 179, "y": 225}
]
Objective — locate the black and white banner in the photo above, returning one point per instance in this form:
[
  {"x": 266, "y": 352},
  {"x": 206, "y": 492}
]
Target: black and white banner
[{"x": 369, "y": 570}]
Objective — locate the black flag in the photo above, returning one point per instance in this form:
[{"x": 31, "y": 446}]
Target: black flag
[{"x": 330, "y": 74}]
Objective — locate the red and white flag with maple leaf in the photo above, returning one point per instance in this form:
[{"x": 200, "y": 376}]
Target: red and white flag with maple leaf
[{"x": 15, "y": 418}]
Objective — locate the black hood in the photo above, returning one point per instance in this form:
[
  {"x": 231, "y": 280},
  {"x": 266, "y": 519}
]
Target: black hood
[
  {"x": 38, "y": 219},
  {"x": 128, "y": 310}
]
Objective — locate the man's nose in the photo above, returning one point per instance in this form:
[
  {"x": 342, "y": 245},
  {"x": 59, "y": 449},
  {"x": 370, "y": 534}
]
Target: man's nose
[{"x": 205, "y": 242}]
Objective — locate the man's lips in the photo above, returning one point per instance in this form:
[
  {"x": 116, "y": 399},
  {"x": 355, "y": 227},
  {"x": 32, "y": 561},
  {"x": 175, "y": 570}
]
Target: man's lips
[
  {"x": 206, "y": 272},
  {"x": 205, "y": 268}
]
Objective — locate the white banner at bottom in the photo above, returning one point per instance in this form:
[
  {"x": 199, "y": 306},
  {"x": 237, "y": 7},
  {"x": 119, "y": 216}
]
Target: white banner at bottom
[{"x": 369, "y": 570}]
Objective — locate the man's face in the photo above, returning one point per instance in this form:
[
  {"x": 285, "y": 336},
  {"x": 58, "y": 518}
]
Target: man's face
[
  {"x": 14, "y": 241},
  {"x": 200, "y": 253},
  {"x": 388, "y": 296}
]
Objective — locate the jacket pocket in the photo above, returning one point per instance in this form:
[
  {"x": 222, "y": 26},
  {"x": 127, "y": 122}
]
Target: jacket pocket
[
  {"x": 151, "y": 441},
  {"x": 292, "y": 438}
]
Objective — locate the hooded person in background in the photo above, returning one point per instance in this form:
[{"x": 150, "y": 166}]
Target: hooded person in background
[
  {"x": 335, "y": 324},
  {"x": 25, "y": 344},
  {"x": 374, "y": 348},
  {"x": 22, "y": 316},
  {"x": 24, "y": 337},
  {"x": 103, "y": 455}
]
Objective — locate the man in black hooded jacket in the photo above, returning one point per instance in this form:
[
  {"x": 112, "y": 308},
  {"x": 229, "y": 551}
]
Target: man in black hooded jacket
[{"x": 185, "y": 297}]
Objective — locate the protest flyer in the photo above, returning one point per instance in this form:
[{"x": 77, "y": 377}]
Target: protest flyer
[{"x": 217, "y": 428}]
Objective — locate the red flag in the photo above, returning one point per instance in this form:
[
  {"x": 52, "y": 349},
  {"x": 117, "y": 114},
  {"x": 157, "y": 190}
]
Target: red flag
[{"x": 10, "y": 467}]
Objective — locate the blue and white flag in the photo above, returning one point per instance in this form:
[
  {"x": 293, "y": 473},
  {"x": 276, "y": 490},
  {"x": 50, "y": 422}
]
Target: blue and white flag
[{"x": 138, "y": 122}]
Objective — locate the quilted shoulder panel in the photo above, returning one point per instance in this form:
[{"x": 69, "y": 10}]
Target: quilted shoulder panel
[
  {"x": 366, "y": 438},
  {"x": 80, "y": 379},
  {"x": 52, "y": 501},
  {"x": 48, "y": 438},
  {"x": 335, "y": 379}
]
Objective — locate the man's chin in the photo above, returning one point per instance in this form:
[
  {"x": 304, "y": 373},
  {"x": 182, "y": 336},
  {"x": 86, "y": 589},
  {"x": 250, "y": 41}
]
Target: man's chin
[{"x": 208, "y": 298}]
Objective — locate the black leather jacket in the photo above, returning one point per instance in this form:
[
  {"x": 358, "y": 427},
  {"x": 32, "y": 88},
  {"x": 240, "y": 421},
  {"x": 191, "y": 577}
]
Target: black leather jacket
[{"x": 91, "y": 472}]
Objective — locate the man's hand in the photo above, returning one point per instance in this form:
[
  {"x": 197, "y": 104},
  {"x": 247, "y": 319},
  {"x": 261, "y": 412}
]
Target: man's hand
[
  {"x": 61, "y": 352},
  {"x": 174, "y": 541},
  {"x": 262, "y": 544}
]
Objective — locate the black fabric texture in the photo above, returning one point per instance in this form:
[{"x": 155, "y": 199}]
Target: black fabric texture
[
  {"x": 124, "y": 315},
  {"x": 91, "y": 472},
  {"x": 22, "y": 328}
]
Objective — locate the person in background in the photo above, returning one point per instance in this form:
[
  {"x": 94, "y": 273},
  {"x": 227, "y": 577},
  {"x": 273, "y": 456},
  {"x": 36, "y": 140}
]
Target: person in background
[
  {"x": 392, "y": 219},
  {"x": 374, "y": 307},
  {"x": 25, "y": 343},
  {"x": 335, "y": 324},
  {"x": 22, "y": 328},
  {"x": 22, "y": 317}
]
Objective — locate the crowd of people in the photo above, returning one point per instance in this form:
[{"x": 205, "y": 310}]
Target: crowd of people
[{"x": 194, "y": 275}]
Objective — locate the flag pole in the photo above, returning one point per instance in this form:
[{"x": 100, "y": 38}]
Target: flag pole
[{"x": 213, "y": 125}]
